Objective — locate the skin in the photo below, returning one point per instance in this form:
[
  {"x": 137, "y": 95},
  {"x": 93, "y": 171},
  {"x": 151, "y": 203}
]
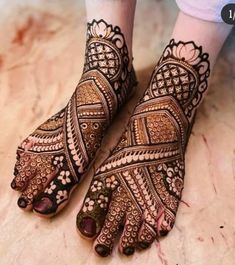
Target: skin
[
  {"x": 138, "y": 188},
  {"x": 116, "y": 12},
  {"x": 161, "y": 123},
  {"x": 47, "y": 178},
  {"x": 140, "y": 185},
  {"x": 52, "y": 160}
]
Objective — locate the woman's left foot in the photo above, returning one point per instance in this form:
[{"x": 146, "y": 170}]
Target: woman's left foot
[{"x": 139, "y": 186}]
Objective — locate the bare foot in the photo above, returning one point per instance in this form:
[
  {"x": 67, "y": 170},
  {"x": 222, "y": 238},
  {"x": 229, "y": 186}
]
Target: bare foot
[
  {"x": 53, "y": 159},
  {"x": 139, "y": 186}
]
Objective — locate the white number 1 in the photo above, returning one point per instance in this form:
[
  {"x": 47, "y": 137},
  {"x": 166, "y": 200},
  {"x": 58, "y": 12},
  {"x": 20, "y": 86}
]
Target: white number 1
[{"x": 231, "y": 14}]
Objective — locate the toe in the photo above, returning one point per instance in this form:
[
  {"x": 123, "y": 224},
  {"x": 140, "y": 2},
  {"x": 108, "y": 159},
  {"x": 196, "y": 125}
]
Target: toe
[
  {"x": 23, "y": 172},
  {"x": 146, "y": 236},
  {"x": 35, "y": 186},
  {"x": 56, "y": 194},
  {"x": 129, "y": 236},
  {"x": 94, "y": 209},
  {"x": 114, "y": 219},
  {"x": 165, "y": 223}
]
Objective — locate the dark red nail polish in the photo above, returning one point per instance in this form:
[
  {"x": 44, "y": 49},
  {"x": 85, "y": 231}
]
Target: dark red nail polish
[
  {"x": 13, "y": 184},
  {"x": 43, "y": 205},
  {"x": 163, "y": 233},
  {"x": 22, "y": 203},
  {"x": 102, "y": 250},
  {"x": 87, "y": 226},
  {"x": 128, "y": 251},
  {"x": 144, "y": 245},
  {"x": 16, "y": 171}
]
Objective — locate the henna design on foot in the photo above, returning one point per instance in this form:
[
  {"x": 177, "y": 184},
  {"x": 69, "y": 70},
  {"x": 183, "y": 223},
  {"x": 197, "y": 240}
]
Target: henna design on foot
[
  {"x": 142, "y": 180},
  {"x": 52, "y": 160}
]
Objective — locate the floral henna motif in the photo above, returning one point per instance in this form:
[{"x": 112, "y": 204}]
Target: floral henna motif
[
  {"x": 143, "y": 177},
  {"x": 52, "y": 160}
]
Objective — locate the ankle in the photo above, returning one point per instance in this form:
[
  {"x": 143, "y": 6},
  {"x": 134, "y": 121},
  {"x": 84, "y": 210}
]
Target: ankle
[
  {"x": 181, "y": 75},
  {"x": 107, "y": 53},
  {"x": 106, "y": 44},
  {"x": 116, "y": 13}
]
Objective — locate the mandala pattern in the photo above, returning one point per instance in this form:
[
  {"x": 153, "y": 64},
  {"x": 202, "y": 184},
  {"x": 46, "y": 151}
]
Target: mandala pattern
[
  {"x": 52, "y": 160},
  {"x": 143, "y": 177}
]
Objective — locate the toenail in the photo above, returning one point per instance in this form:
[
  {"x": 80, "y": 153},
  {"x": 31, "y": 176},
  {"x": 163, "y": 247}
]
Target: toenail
[
  {"x": 102, "y": 250},
  {"x": 13, "y": 184},
  {"x": 128, "y": 251},
  {"x": 18, "y": 153},
  {"x": 16, "y": 171},
  {"x": 144, "y": 245},
  {"x": 43, "y": 205},
  {"x": 163, "y": 233},
  {"x": 22, "y": 203},
  {"x": 88, "y": 226}
]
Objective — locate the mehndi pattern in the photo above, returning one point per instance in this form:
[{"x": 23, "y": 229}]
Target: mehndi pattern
[
  {"x": 52, "y": 160},
  {"x": 142, "y": 180}
]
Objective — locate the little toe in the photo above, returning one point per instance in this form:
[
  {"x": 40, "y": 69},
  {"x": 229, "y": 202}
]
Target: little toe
[
  {"x": 56, "y": 195},
  {"x": 146, "y": 236}
]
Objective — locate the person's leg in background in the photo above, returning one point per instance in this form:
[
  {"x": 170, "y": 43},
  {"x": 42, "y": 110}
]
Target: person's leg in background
[
  {"x": 141, "y": 183},
  {"x": 52, "y": 160}
]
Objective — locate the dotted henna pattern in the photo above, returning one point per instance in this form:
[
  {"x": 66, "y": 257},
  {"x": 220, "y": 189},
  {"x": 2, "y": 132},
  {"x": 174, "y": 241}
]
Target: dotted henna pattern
[
  {"x": 52, "y": 160},
  {"x": 142, "y": 180}
]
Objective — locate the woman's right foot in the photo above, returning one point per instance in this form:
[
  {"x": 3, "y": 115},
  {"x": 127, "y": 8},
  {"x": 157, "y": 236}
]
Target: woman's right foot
[{"x": 52, "y": 160}]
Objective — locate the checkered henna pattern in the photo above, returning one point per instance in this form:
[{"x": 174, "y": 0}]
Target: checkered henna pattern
[
  {"x": 52, "y": 160},
  {"x": 139, "y": 185}
]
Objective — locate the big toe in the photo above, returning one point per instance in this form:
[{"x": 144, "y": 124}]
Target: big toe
[
  {"x": 55, "y": 195},
  {"x": 94, "y": 209}
]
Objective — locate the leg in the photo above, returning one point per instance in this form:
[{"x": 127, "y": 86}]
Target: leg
[
  {"x": 52, "y": 160},
  {"x": 147, "y": 167},
  {"x": 116, "y": 12}
]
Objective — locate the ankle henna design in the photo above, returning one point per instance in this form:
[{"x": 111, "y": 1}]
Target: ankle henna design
[
  {"x": 140, "y": 184},
  {"x": 52, "y": 160}
]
